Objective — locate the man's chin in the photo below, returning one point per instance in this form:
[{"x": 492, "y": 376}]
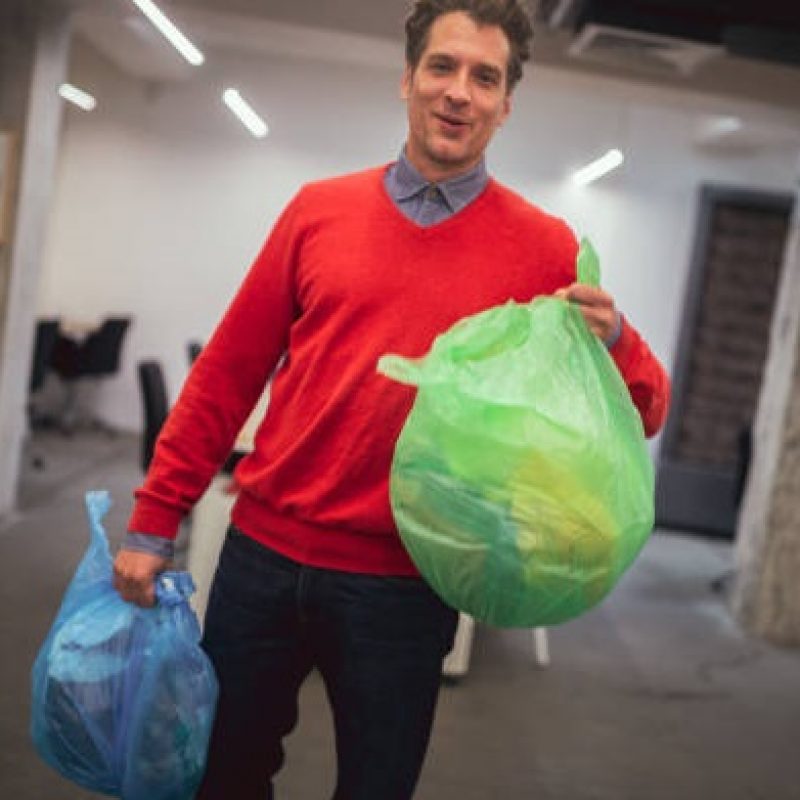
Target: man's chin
[{"x": 449, "y": 157}]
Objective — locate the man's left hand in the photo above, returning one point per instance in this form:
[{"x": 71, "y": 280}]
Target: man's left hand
[{"x": 597, "y": 307}]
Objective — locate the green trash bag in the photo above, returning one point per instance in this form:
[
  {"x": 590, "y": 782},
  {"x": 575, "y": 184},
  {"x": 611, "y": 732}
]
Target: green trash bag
[{"x": 521, "y": 483}]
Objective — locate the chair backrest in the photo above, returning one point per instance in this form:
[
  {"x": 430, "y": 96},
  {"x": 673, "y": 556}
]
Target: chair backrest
[
  {"x": 44, "y": 341},
  {"x": 155, "y": 406},
  {"x": 100, "y": 353},
  {"x": 193, "y": 349}
]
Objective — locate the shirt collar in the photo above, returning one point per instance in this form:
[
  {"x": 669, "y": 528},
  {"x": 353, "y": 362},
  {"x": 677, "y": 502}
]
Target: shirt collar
[{"x": 457, "y": 192}]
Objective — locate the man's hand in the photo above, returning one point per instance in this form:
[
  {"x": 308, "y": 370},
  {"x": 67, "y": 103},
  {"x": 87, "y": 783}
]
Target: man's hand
[
  {"x": 134, "y": 576},
  {"x": 597, "y": 307}
]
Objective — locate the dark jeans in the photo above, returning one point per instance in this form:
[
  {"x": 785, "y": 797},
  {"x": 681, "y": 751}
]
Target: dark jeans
[{"x": 378, "y": 643}]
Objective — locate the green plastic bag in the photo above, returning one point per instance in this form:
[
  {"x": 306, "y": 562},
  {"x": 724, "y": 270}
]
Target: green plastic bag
[{"x": 521, "y": 483}]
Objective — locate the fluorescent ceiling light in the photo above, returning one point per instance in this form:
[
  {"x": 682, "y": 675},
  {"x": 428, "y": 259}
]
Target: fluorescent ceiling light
[
  {"x": 591, "y": 172},
  {"x": 724, "y": 125},
  {"x": 167, "y": 28},
  {"x": 245, "y": 113},
  {"x": 717, "y": 127},
  {"x": 77, "y": 96}
]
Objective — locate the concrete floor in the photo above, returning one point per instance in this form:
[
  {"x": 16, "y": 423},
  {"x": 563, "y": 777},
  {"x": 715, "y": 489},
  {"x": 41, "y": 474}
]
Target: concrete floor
[{"x": 655, "y": 695}]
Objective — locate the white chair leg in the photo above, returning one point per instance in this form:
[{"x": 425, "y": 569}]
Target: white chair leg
[
  {"x": 456, "y": 663},
  {"x": 541, "y": 650}
]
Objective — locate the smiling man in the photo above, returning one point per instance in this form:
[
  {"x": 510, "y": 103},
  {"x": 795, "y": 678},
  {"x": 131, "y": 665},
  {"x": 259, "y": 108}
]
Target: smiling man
[
  {"x": 457, "y": 95},
  {"x": 312, "y": 573}
]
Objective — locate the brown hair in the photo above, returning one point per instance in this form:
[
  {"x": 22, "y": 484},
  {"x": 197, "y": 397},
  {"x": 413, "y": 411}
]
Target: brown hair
[{"x": 511, "y": 16}]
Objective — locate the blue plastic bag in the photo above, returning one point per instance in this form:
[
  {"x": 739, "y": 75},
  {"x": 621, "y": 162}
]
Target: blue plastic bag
[{"x": 123, "y": 697}]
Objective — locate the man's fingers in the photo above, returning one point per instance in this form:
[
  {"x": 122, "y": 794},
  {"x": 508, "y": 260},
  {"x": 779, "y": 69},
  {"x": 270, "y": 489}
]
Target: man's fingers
[
  {"x": 140, "y": 593},
  {"x": 585, "y": 295},
  {"x": 596, "y": 306},
  {"x": 139, "y": 590},
  {"x": 135, "y": 574}
]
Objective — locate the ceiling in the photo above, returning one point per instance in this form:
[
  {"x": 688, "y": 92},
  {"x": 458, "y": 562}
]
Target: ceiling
[
  {"x": 756, "y": 29},
  {"x": 744, "y": 48}
]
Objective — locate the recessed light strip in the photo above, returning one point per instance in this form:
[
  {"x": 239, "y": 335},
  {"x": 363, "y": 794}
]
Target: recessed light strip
[
  {"x": 603, "y": 165},
  {"x": 77, "y": 96},
  {"x": 168, "y": 29},
  {"x": 248, "y": 117}
]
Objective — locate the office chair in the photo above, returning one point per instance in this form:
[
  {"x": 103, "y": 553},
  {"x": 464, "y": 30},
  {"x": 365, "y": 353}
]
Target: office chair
[
  {"x": 155, "y": 407},
  {"x": 43, "y": 344},
  {"x": 193, "y": 349},
  {"x": 96, "y": 357},
  {"x": 98, "y": 354}
]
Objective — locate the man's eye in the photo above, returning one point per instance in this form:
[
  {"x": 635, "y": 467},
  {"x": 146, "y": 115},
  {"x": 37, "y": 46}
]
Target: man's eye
[
  {"x": 488, "y": 78},
  {"x": 439, "y": 66}
]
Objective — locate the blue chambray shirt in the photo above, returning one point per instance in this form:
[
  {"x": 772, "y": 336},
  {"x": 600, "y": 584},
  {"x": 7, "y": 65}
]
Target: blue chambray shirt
[{"x": 427, "y": 203}]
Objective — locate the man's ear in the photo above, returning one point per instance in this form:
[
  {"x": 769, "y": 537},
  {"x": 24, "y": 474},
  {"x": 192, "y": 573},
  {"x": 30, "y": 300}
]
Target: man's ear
[
  {"x": 405, "y": 82},
  {"x": 506, "y": 110}
]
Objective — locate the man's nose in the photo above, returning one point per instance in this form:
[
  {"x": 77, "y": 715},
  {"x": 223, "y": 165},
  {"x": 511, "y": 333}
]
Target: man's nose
[{"x": 457, "y": 91}]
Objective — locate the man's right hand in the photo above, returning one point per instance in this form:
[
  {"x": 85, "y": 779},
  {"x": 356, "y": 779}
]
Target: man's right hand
[{"x": 135, "y": 574}]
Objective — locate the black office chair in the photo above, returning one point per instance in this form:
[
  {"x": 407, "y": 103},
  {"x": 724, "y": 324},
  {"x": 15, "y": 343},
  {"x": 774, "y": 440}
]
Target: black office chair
[
  {"x": 97, "y": 356},
  {"x": 155, "y": 407},
  {"x": 193, "y": 349},
  {"x": 43, "y": 344}
]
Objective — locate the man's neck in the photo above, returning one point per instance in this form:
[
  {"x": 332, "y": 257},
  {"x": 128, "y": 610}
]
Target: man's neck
[{"x": 433, "y": 174}]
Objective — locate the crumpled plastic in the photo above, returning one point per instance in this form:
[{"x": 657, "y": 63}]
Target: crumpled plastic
[
  {"x": 521, "y": 484},
  {"x": 123, "y": 698}
]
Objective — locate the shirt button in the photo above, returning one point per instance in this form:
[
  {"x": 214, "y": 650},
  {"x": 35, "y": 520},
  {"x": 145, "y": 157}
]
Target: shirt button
[{"x": 431, "y": 193}]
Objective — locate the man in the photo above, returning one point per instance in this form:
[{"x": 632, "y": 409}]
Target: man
[{"x": 312, "y": 573}]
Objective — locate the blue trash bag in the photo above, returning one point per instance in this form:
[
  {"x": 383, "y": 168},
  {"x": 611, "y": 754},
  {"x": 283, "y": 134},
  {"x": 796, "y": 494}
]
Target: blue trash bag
[{"x": 123, "y": 696}]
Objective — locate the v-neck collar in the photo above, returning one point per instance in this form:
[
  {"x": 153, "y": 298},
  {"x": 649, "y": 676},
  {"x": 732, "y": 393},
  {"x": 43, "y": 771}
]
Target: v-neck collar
[
  {"x": 436, "y": 226},
  {"x": 406, "y": 182}
]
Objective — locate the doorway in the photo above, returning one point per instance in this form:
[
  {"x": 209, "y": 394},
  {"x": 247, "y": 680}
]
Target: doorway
[{"x": 725, "y": 330}]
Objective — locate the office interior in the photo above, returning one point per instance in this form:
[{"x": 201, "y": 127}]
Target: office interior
[{"x": 149, "y": 209}]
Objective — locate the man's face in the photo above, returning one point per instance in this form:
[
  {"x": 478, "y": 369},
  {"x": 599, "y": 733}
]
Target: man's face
[{"x": 456, "y": 95}]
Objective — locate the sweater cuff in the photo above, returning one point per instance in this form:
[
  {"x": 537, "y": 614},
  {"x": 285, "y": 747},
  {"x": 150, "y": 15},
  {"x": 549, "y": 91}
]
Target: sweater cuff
[
  {"x": 148, "y": 543},
  {"x": 624, "y": 348},
  {"x": 614, "y": 338},
  {"x": 150, "y": 517}
]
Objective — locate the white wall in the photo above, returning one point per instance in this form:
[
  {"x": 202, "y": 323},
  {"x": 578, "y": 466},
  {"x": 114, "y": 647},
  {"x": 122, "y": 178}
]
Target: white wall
[{"x": 163, "y": 199}]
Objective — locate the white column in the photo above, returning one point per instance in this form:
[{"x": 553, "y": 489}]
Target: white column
[
  {"x": 30, "y": 88},
  {"x": 766, "y": 593}
]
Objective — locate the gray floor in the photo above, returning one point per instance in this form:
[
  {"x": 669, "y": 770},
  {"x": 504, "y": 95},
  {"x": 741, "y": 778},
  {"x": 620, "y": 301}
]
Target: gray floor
[{"x": 655, "y": 695}]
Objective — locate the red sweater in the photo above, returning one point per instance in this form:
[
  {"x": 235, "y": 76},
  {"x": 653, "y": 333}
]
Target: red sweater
[{"x": 343, "y": 278}]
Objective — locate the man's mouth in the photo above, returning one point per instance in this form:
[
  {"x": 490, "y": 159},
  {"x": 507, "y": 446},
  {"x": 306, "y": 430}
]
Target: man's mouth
[
  {"x": 451, "y": 120},
  {"x": 452, "y": 124}
]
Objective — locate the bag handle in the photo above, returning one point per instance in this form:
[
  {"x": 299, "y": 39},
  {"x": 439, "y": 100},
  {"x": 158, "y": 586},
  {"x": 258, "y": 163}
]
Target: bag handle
[
  {"x": 174, "y": 588},
  {"x": 588, "y": 266},
  {"x": 97, "y": 505},
  {"x": 402, "y": 370}
]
